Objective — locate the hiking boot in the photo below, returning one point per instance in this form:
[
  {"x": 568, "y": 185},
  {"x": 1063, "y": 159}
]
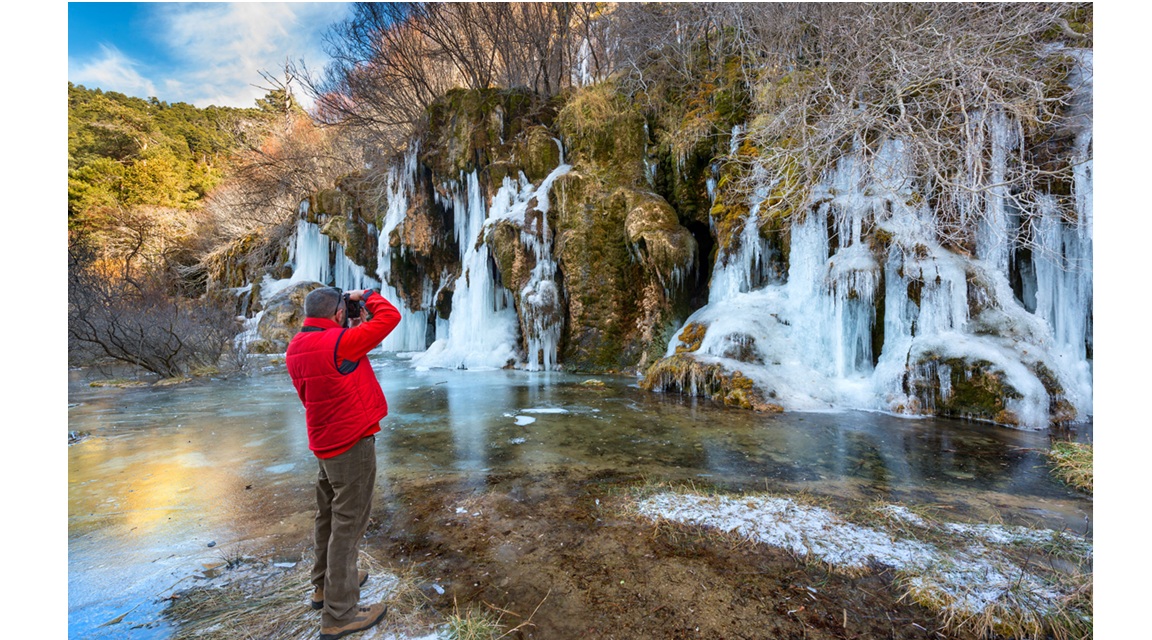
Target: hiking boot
[
  {"x": 366, "y": 618},
  {"x": 318, "y": 594}
]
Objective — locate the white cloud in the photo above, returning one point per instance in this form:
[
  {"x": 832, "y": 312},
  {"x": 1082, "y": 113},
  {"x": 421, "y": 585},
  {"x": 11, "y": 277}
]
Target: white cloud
[
  {"x": 223, "y": 47},
  {"x": 112, "y": 71},
  {"x": 215, "y": 51}
]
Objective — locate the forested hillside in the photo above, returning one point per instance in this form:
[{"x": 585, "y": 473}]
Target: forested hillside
[
  {"x": 140, "y": 173},
  {"x": 125, "y": 151}
]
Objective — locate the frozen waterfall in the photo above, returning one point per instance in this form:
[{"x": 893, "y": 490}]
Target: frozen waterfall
[{"x": 847, "y": 332}]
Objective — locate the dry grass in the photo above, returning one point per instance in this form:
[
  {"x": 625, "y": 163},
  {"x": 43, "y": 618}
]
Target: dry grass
[
  {"x": 118, "y": 382},
  {"x": 1072, "y": 462},
  {"x": 1014, "y": 614},
  {"x": 256, "y": 600}
]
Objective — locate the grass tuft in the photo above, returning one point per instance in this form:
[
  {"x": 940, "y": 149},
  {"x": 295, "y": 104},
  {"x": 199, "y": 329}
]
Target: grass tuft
[
  {"x": 473, "y": 624},
  {"x": 476, "y": 623},
  {"x": 1072, "y": 463}
]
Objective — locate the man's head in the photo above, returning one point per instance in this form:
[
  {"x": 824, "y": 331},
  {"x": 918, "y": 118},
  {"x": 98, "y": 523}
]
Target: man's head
[{"x": 325, "y": 302}]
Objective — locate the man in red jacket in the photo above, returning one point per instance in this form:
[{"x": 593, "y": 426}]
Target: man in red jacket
[{"x": 343, "y": 406}]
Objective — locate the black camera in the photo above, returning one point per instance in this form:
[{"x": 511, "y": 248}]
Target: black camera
[{"x": 352, "y": 307}]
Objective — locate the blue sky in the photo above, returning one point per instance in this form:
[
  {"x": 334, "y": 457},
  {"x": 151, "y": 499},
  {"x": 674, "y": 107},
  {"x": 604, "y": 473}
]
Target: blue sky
[{"x": 202, "y": 53}]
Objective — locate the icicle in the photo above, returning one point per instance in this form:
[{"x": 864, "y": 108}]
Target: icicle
[
  {"x": 411, "y": 333},
  {"x": 311, "y": 254},
  {"x": 482, "y": 329},
  {"x": 993, "y": 237}
]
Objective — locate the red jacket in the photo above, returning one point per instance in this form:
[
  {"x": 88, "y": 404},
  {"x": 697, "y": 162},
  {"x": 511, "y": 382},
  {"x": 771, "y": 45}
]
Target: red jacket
[{"x": 343, "y": 401}]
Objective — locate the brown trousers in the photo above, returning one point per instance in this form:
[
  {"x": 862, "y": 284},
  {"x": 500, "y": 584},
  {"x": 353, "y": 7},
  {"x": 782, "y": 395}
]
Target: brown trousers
[{"x": 344, "y": 488}]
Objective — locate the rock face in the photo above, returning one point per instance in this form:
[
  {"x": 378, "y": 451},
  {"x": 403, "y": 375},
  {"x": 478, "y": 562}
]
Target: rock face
[
  {"x": 625, "y": 256},
  {"x": 625, "y": 260},
  {"x": 283, "y": 316}
]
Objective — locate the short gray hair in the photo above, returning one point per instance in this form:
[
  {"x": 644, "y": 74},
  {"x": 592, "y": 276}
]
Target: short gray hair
[{"x": 322, "y": 302}]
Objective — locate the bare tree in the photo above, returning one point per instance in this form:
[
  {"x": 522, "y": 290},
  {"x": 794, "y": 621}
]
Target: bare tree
[
  {"x": 137, "y": 321},
  {"x": 827, "y": 78},
  {"x": 384, "y": 74},
  {"x": 281, "y": 160},
  {"x": 933, "y": 76},
  {"x": 391, "y": 61}
]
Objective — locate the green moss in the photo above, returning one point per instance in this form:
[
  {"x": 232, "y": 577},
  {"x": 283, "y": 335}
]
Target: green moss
[
  {"x": 977, "y": 390},
  {"x": 537, "y": 153},
  {"x": 468, "y": 130},
  {"x": 729, "y": 213},
  {"x": 617, "y": 242},
  {"x": 602, "y": 281},
  {"x": 731, "y": 100},
  {"x": 601, "y": 127}
]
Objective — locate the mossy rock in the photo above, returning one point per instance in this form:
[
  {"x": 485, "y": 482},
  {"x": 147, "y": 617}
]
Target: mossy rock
[
  {"x": 328, "y": 202},
  {"x": 602, "y": 282},
  {"x": 603, "y": 128},
  {"x": 685, "y": 374},
  {"x": 1060, "y": 410},
  {"x": 620, "y": 313},
  {"x": 245, "y": 259},
  {"x": 691, "y": 337},
  {"x": 430, "y": 255},
  {"x": 742, "y": 347},
  {"x": 336, "y": 228},
  {"x": 537, "y": 153},
  {"x": 654, "y": 229},
  {"x": 497, "y": 171},
  {"x": 981, "y": 293},
  {"x": 617, "y": 244},
  {"x": 262, "y": 346},
  {"x": 118, "y": 383},
  {"x": 729, "y": 214},
  {"x": 513, "y": 261},
  {"x": 978, "y": 390},
  {"x": 470, "y": 129}
]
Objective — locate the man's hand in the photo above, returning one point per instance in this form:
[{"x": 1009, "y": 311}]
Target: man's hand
[{"x": 356, "y": 296}]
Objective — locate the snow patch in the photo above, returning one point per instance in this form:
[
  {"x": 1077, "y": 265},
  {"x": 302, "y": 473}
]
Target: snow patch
[{"x": 971, "y": 579}]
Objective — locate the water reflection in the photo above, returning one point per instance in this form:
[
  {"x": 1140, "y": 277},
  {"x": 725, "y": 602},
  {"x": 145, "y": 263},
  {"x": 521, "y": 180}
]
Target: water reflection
[{"x": 168, "y": 471}]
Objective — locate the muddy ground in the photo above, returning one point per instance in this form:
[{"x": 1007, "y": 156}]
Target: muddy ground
[{"x": 564, "y": 550}]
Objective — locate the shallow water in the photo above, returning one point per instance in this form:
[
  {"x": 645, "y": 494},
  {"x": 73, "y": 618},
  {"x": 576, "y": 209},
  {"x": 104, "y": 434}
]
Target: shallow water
[{"x": 172, "y": 481}]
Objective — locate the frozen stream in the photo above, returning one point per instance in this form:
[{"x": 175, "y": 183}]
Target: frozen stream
[{"x": 172, "y": 480}]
